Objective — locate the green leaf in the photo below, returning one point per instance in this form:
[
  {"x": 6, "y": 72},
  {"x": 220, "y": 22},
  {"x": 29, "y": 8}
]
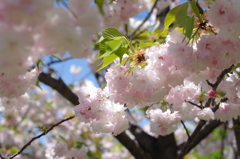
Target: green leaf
[
  {"x": 102, "y": 48},
  {"x": 121, "y": 51},
  {"x": 147, "y": 44},
  {"x": 181, "y": 14},
  {"x": 170, "y": 18},
  {"x": 58, "y": 1},
  {"x": 222, "y": 94},
  {"x": 235, "y": 67},
  {"x": 188, "y": 28},
  {"x": 124, "y": 60},
  {"x": 38, "y": 84},
  {"x": 13, "y": 150},
  {"x": 110, "y": 46},
  {"x": 56, "y": 56},
  {"x": 178, "y": 13},
  {"x": 195, "y": 9},
  {"x": 99, "y": 40},
  {"x": 142, "y": 37},
  {"x": 156, "y": 25},
  {"x": 79, "y": 145},
  {"x": 107, "y": 60},
  {"x": 38, "y": 64},
  {"x": 111, "y": 33},
  {"x": 48, "y": 104},
  {"x": 117, "y": 147},
  {"x": 61, "y": 137},
  {"x": 100, "y": 5}
]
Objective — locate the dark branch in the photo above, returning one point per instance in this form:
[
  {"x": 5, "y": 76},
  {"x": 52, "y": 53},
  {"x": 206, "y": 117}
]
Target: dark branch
[
  {"x": 136, "y": 35},
  {"x": 136, "y": 151},
  {"x": 59, "y": 86},
  {"x": 149, "y": 14},
  {"x": 190, "y": 139},
  {"x": 36, "y": 137},
  {"x": 194, "y": 104},
  {"x": 145, "y": 141},
  {"x": 220, "y": 78},
  {"x": 206, "y": 130},
  {"x": 166, "y": 147}
]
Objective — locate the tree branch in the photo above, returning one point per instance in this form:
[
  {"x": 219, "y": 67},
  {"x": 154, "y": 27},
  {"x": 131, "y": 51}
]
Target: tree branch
[
  {"x": 185, "y": 129},
  {"x": 166, "y": 147},
  {"x": 57, "y": 61},
  {"x": 149, "y": 14},
  {"x": 36, "y": 137},
  {"x": 145, "y": 141},
  {"x": 220, "y": 78},
  {"x": 206, "y": 130},
  {"x": 59, "y": 86},
  {"x": 190, "y": 139},
  {"x": 136, "y": 151}
]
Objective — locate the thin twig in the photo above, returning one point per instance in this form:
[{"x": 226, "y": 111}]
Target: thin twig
[
  {"x": 194, "y": 104},
  {"x": 185, "y": 129},
  {"x": 23, "y": 117},
  {"x": 149, "y": 14},
  {"x": 71, "y": 11},
  {"x": 63, "y": 60},
  {"x": 36, "y": 137},
  {"x": 136, "y": 35},
  {"x": 221, "y": 76}
]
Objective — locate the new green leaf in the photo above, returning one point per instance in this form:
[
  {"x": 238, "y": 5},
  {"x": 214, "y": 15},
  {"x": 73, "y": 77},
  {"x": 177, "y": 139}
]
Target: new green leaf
[
  {"x": 100, "y": 5},
  {"x": 111, "y": 33},
  {"x": 147, "y": 44},
  {"x": 188, "y": 29},
  {"x": 195, "y": 9},
  {"x": 110, "y": 47},
  {"x": 107, "y": 60},
  {"x": 178, "y": 13}
]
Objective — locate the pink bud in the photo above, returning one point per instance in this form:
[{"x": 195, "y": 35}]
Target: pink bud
[{"x": 212, "y": 93}]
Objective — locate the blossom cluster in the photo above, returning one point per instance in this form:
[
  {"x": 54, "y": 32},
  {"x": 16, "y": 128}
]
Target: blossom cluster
[
  {"x": 104, "y": 115},
  {"x": 31, "y": 29},
  {"x": 174, "y": 82},
  {"x": 70, "y": 139}
]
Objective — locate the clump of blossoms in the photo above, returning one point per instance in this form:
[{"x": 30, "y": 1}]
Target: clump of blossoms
[
  {"x": 30, "y": 29},
  {"x": 104, "y": 115},
  {"x": 177, "y": 81}
]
